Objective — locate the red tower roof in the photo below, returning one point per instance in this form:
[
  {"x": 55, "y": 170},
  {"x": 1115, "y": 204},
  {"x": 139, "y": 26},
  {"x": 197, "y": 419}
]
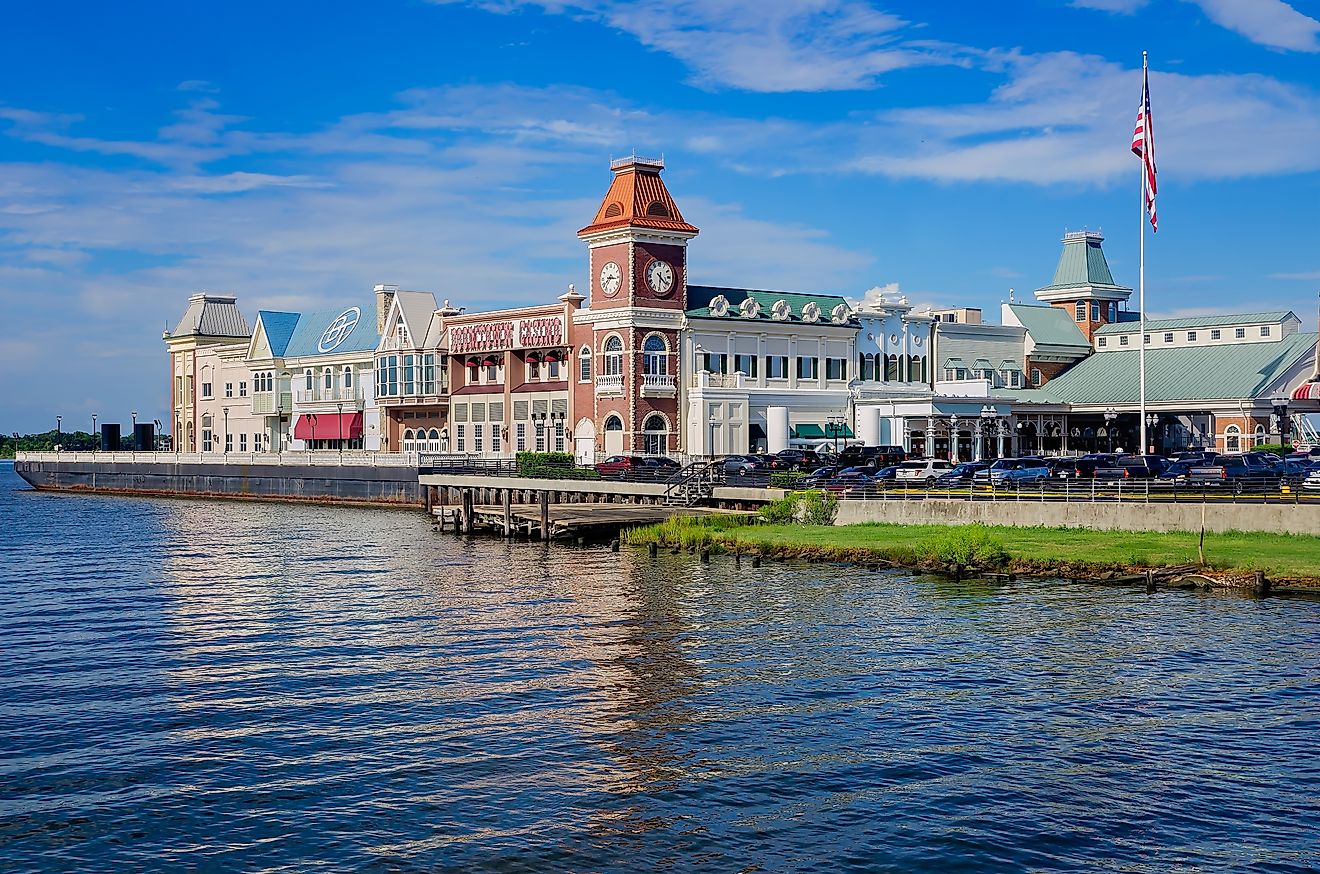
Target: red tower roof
[{"x": 638, "y": 198}]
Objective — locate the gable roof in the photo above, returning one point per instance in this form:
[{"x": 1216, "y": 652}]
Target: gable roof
[
  {"x": 416, "y": 308},
  {"x": 1199, "y": 322},
  {"x": 312, "y": 327},
  {"x": 1049, "y": 326},
  {"x": 1226, "y": 371},
  {"x": 279, "y": 329},
  {"x": 212, "y": 315},
  {"x": 700, "y": 296}
]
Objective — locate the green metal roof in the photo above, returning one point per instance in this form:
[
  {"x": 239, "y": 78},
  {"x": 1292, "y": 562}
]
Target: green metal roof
[
  {"x": 1181, "y": 373},
  {"x": 1082, "y": 263},
  {"x": 1049, "y": 326},
  {"x": 1198, "y": 322},
  {"x": 700, "y": 296}
]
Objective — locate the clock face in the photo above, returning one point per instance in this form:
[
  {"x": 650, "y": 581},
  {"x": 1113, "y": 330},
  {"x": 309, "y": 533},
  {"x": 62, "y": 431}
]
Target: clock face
[
  {"x": 660, "y": 276},
  {"x": 611, "y": 277}
]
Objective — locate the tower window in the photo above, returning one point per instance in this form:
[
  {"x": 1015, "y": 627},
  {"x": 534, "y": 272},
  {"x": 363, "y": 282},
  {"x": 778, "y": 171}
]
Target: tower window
[
  {"x": 614, "y": 210},
  {"x": 658, "y": 208},
  {"x": 1079, "y": 311}
]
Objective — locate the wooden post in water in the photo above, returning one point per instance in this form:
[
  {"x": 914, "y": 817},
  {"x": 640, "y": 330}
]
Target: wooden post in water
[
  {"x": 545, "y": 515},
  {"x": 468, "y": 505},
  {"x": 430, "y": 500},
  {"x": 508, "y": 512}
]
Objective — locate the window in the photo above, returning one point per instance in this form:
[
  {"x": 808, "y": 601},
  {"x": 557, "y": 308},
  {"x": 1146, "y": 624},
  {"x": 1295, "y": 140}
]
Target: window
[
  {"x": 1232, "y": 439},
  {"x": 1260, "y": 436},
  {"x": 1123, "y": 340},
  {"x": 612, "y": 362},
  {"x": 229, "y": 443},
  {"x": 477, "y": 442},
  {"x": 327, "y": 379},
  {"x": 242, "y": 442},
  {"x": 387, "y": 376},
  {"x": 401, "y": 331},
  {"x": 744, "y": 364},
  {"x": 1215, "y": 334},
  {"x": 1239, "y": 333},
  {"x": 520, "y": 437},
  {"x": 1035, "y": 377},
  {"x": 1191, "y": 336},
  {"x": 1146, "y": 339},
  {"x": 807, "y": 368},
  {"x": 553, "y": 368},
  {"x": 533, "y": 371},
  {"x": 206, "y": 390},
  {"x": 1095, "y": 311},
  {"x": 496, "y": 433},
  {"x": 1113, "y": 312},
  {"x": 307, "y": 378},
  {"x": 1079, "y": 311},
  {"x": 428, "y": 374},
  {"x": 206, "y": 440},
  {"x": 493, "y": 374},
  {"x": 460, "y": 434},
  {"x": 348, "y": 377},
  {"x": 655, "y": 437},
  {"x": 1102, "y": 342},
  {"x": 258, "y": 442},
  {"x": 242, "y": 389},
  {"x": 539, "y": 424},
  {"x": 836, "y": 368},
  {"x": 584, "y": 365},
  {"x": 713, "y": 363},
  {"x": 559, "y": 435},
  {"x": 776, "y": 366},
  {"x": 655, "y": 356},
  {"x": 229, "y": 389},
  {"x": 960, "y": 373},
  {"x": 891, "y": 368},
  {"x": 1168, "y": 336},
  {"x": 866, "y": 367},
  {"x": 409, "y": 374},
  {"x": 1264, "y": 330},
  {"x": 473, "y": 373}
]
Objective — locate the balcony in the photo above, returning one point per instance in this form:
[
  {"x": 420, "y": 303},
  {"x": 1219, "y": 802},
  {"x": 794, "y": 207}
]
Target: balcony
[
  {"x": 706, "y": 379},
  {"x": 609, "y": 384},
  {"x": 349, "y": 397},
  {"x": 659, "y": 385},
  {"x": 268, "y": 403}
]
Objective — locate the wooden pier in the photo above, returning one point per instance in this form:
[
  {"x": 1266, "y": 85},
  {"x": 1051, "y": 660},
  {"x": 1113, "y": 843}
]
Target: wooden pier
[{"x": 561, "y": 521}]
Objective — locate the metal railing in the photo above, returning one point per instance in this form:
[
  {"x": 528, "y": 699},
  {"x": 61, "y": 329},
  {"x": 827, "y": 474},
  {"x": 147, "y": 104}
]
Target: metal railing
[
  {"x": 328, "y": 457},
  {"x": 1253, "y": 490},
  {"x": 334, "y": 394}
]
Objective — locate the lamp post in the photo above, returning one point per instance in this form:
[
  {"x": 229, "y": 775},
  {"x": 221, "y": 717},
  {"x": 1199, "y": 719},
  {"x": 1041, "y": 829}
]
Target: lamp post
[
  {"x": 156, "y": 436},
  {"x": 96, "y": 442},
  {"x": 1280, "y": 416},
  {"x": 311, "y": 420},
  {"x": 225, "y": 410},
  {"x": 1151, "y": 421},
  {"x": 953, "y": 439},
  {"x": 135, "y": 437},
  {"x": 1110, "y": 415},
  {"x": 834, "y": 424},
  {"x": 989, "y": 418},
  {"x": 339, "y": 407},
  {"x": 1001, "y": 431},
  {"x": 59, "y": 433}
]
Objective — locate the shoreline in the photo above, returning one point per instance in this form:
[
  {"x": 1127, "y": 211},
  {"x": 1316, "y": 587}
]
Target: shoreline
[{"x": 977, "y": 551}]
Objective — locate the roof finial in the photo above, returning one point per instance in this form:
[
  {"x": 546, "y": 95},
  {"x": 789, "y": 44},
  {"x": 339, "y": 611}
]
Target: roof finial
[{"x": 1010, "y": 295}]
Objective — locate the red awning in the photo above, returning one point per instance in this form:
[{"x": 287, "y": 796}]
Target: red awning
[
  {"x": 490, "y": 360},
  {"x": 533, "y": 357},
  {"x": 1307, "y": 391},
  {"x": 328, "y": 426},
  {"x": 552, "y": 355}
]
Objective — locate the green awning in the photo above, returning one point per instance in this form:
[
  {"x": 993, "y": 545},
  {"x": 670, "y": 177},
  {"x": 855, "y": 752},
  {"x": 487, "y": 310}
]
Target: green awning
[{"x": 811, "y": 431}]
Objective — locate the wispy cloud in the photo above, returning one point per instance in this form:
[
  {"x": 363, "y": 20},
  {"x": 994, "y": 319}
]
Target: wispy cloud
[
  {"x": 1270, "y": 23},
  {"x": 1311, "y": 275}
]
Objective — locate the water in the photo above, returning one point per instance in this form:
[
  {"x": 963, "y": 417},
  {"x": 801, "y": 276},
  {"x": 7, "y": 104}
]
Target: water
[{"x": 259, "y": 687}]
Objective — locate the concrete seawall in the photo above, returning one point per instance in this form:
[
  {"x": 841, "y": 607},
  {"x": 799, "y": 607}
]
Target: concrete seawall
[
  {"x": 1126, "y": 516},
  {"x": 355, "y": 483}
]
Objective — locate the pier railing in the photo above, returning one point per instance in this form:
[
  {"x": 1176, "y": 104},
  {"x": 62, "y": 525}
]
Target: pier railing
[{"x": 328, "y": 457}]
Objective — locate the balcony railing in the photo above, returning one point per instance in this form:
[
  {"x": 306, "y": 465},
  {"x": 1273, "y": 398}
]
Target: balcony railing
[
  {"x": 658, "y": 382},
  {"x": 321, "y": 395},
  {"x": 706, "y": 379},
  {"x": 609, "y": 384}
]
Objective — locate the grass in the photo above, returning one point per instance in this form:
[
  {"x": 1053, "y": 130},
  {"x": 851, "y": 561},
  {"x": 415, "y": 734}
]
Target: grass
[{"x": 1043, "y": 550}]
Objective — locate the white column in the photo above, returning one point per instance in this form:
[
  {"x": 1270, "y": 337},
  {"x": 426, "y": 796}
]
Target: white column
[
  {"x": 868, "y": 425},
  {"x": 776, "y": 429}
]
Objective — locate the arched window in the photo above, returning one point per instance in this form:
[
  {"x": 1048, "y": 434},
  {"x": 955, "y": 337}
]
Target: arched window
[
  {"x": 613, "y": 423},
  {"x": 1035, "y": 377},
  {"x": 1260, "y": 435},
  {"x": 348, "y": 377},
  {"x": 655, "y": 435},
  {"x": 328, "y": 377},
  {"x": 866, "y": 367},
  {"x": 307, "y": 377},
  {"x": 1080, "y": 311},
  {"x": 584, "y": 365},
  {"x": 612, "y": 363},
  {"x": 891, "y": 368},
  {"x": 914, "y": 368},
  {"x": 655, "y": 356},
  {"x": 1232, "y": 439}
]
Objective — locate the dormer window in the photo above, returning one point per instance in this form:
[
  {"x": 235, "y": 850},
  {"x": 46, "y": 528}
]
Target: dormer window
[
  {"x": 658, "y": 208},
  {"x": 402, "y": 333},
  {"x": 1079, "y": 311},
  {"x": 1102, "y": 342}
]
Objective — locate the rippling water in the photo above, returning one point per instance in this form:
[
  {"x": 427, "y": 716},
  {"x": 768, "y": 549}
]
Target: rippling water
[{"x": 259, "y": 687}]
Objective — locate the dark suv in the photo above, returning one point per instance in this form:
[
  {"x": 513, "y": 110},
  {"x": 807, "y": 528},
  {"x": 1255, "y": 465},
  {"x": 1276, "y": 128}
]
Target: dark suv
[
  {"x": 874, "y": 457},
  {"x": 799, "y": 459}
]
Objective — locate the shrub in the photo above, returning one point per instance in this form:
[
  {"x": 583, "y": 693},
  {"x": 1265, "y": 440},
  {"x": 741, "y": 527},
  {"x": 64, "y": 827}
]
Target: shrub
[
  {"x": 552, "y": 465},
  {"x": 1276, "y": 448},
  {"x": 813, "y": 507},
  {"x": 785, "y": 479},
  {"x": 968, "y": 546},
  {"x": 780, "y": 512}
]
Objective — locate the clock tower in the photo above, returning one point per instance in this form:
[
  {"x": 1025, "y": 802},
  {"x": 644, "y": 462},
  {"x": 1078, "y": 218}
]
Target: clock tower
[{"x": 637, "y": 263}]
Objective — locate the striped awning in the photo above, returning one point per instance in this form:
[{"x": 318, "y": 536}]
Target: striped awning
[{"x": 1307, "y": 391}]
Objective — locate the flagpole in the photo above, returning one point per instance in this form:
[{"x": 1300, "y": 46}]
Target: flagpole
[{"x": 1141, "y": 275}]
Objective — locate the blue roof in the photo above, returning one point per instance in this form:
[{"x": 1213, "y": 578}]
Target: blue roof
[
  {"x": 279, "y": 330},
  {"x": 355, "y": 331}
]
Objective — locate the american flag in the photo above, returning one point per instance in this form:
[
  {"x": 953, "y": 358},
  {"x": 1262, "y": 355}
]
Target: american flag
[{"x": 1143, "y": 146}]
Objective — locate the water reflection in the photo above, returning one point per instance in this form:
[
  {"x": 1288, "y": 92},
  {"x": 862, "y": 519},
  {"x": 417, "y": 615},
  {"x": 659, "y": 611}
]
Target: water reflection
[{"x": 192, "y": 684}]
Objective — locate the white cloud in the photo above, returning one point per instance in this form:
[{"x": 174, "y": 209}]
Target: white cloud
[
  {"x": 1270, "y": 23},
  {"x": 1124, "y": 7},
  {"x": 1311, "y": 275}
]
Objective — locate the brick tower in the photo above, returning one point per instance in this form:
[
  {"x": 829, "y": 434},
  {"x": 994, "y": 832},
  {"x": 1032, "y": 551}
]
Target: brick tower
[{"x": 1083, "y": 285}]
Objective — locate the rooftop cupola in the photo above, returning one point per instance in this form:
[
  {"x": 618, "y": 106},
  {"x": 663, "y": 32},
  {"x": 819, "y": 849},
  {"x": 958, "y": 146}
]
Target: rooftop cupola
[
  {"x": 638, "y": 198},
  {"x": 1083, "y": 284}
]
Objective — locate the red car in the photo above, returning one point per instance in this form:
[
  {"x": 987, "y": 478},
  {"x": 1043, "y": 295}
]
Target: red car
[{"x": 636, "y": 467}]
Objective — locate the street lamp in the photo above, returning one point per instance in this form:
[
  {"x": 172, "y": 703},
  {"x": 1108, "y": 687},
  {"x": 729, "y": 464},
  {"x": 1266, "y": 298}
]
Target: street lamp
[
  {"x": 1280, "y": 405},
  {"x": 59, "y": 433},
  {"x": 989, "y": 417},
  {"x": 136, "y": 447},
  {"x": 96, "y": 443},
  {"x": 953, "y": 439},
  {"x": 340, "y": 408},
  {"x": 1151, "y": 421},
  {"x": 225, "y": 410},
  {"x": 834, "y": 425},
  {"x": 1110, "y": 415}
]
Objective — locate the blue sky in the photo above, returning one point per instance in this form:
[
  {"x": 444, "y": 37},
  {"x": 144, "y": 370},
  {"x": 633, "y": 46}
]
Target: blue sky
[{"x": 297, "y": 153}]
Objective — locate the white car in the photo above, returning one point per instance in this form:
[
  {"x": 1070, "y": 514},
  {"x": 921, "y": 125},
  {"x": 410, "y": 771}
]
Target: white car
[
  {"x": 923, "y": 470},
  {"x": 1312, "y": 481}
]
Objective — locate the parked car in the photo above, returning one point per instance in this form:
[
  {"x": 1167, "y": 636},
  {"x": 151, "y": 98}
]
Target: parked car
[
  {"x": 1297, "y": 469},
  {"x": 1012, "y": 470},
  {"x": 850, "y": 479},
  {"x": 874, "y": 457},
  {"x": 649, "y": 467},
  {"x": 1312, "y": 481},
  {"x": 1132, "y": 467},
  {"x": 818, "y": 477},
  {"x": 1197, "y": 456},
  {"x": 923, "y": 470},
  {"x": 961, "y": 474},
  {"x": 1238, "y": 471},
  {"x": 1062, "y": 468},
  {"x": 1085, "y": 466},
  {"x": 1175, "y": 473},
  {"x": 743, "y": 465},
  {"x": 799, "y": 459},
  {"x": 772, "y": 462},
  {"x": 886, "y": 474}
]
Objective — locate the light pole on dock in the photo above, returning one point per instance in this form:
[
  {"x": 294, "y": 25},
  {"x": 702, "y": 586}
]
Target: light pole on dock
[
  {"x": 59, "y": 433},
  {"x": 96, "y": 443}
]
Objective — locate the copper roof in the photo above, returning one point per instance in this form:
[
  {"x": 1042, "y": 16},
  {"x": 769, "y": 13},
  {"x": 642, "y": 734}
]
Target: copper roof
[{"x": 638, "y": 198}]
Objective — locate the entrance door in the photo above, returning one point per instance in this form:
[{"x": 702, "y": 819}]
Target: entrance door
[{"x": 613, "y": 436}]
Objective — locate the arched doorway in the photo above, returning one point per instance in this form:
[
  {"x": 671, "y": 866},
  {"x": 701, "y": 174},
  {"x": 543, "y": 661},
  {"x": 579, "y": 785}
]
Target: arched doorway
[
  {"x": 655, "y": 435},
  {"x": 613, "y": 435},
  {"x": 584, "y": 442}
]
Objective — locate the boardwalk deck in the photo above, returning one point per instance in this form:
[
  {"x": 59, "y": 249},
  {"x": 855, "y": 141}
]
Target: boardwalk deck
[{"x": 570, "y": 520}]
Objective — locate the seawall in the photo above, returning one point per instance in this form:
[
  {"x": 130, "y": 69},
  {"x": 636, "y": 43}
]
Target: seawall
[
  {"x": 1281, "y": 518},
  {"x": 349, "y": 483}
]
